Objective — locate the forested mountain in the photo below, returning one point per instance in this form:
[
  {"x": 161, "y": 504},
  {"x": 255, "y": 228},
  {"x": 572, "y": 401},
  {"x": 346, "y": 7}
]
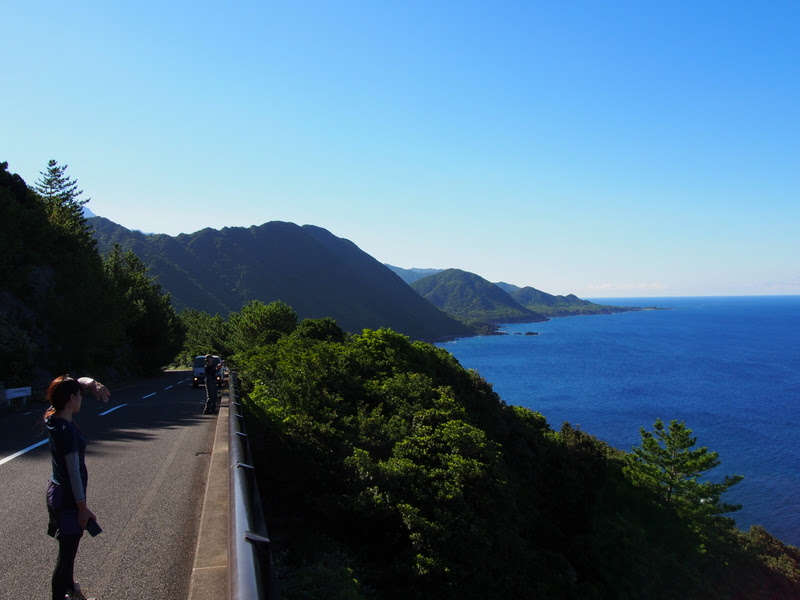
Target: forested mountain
[
  {"x": 473, "y": 299},
  {"x": 557, "y": 306},
  {"x": 535, "y": 300},
  {"x": 316, "y": 273}
]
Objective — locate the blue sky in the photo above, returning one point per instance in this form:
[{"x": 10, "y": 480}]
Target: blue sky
[{"x": 602, "y": 149}]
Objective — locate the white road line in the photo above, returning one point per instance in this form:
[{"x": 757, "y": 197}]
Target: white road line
[
  {"x": 36, "y": 445},
  {"x": 168, "y": 387},
  {"x": 21, "y": 452}
]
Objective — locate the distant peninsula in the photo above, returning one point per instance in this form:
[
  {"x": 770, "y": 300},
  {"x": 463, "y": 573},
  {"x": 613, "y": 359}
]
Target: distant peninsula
[{"x": 484, "y": 305}]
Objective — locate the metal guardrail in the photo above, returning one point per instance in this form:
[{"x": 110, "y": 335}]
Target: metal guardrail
[
  {"x": 9, "y": 394},
  {"x": 250, "y": 554}
]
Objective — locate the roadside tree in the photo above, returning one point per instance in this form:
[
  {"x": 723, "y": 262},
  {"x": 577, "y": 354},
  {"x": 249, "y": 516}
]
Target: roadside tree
[
  {"x": 259, "y": 324},
  {"x": 152, "y": 327}
]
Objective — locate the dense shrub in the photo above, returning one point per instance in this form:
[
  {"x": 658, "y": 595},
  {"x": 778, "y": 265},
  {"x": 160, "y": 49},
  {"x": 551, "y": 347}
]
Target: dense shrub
[{"x": 431, "y": 486}]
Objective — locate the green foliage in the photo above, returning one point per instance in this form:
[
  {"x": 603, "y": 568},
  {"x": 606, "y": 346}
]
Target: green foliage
[
  {"x": 66, "y": 282},
  {"x": 432, "y": 487},
  {"x": 259, "y": 324},
  {"x": 560, "y": 306},
  {"x": 26, "y": 247},
  {"x": 327, "y": 577},
  {"x": 17, "y": 354},
  {"x": 57, "y": 188},
  {"x": 62, "y": 311},
  {"x": 204, "y": 335},
  {"x": 61, "y": 198},
  {"x": 772, "y": 553},
  {"x": 152, "y": 328},
  {"x": 472, "y": 299},
  {"x": 24, "y": 236},
  {"x": 323, "y": 330},
  {"x": 567, "y": 310},
  {"x": 667, "y": 464}
]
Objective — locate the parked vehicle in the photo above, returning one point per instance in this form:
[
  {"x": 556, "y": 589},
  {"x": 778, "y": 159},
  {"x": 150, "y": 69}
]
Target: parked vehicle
[{"x": 199, "y": 373}]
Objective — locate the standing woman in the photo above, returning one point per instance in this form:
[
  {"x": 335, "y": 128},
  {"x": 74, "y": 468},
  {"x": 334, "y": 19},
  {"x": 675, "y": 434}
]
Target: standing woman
[{"x": 66, "y": 490}]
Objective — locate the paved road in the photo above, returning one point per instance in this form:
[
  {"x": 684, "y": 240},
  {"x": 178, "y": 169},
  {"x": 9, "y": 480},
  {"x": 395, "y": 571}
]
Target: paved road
[{"x": 148, "y": 465}]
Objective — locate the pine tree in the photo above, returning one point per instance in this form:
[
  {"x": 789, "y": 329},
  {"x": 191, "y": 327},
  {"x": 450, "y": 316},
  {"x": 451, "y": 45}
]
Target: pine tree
[
  {"x": 55, "y": 184},
  {"x": 668, "y": 464},
  {"x": 61, "y": 198},
  {"x": 79, "y": 303}
]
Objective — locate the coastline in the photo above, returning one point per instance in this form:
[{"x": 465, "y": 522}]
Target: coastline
[{"x": 706, "y": 360}]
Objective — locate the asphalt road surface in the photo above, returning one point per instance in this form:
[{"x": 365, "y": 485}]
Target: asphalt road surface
[{"x": 148, "y": 462}]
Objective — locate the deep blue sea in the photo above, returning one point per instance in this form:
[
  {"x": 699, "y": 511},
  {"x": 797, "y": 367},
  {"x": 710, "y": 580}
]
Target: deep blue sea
[{"x": 727, "y": 366}]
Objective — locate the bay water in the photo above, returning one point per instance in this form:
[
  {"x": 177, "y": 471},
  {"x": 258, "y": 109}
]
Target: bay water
[{"x": 729, "y": 367}]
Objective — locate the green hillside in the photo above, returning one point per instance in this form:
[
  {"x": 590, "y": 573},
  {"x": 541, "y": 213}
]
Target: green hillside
[
  {"x": 391, "y": 472},
  {"x": 558, "y": 306},
  {"x": 562, "y": 306},
  {"x": 473, "y": 299}
]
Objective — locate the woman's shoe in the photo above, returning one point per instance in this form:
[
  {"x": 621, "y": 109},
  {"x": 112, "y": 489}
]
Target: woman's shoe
[{"x": 77, "y": 594}]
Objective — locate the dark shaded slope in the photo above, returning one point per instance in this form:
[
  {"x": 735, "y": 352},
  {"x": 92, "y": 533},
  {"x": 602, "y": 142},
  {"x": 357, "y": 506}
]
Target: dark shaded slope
[
  {"x": 315, "y": 272},
  {"x": 181, "y": 273}
]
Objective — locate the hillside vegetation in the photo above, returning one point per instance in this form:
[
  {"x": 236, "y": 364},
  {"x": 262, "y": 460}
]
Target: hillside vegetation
[
  {"x": 63, "y": 306},
  {"x": 559, "y": 306},
  {"x": 539, "y": 302},
  {"x": 476, "y": 301},
  {"x": 472, "y": 299},
  {"x": 390, "y": 471}
]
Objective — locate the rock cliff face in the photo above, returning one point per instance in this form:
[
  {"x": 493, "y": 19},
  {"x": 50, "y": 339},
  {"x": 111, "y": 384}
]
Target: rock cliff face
[{"x": 315, "y": 272}]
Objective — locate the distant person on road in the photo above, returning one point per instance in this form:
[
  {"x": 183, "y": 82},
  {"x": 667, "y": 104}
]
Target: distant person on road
[
  {"x": 66, "y": 490},
  {"x": 211, "y": 385}
]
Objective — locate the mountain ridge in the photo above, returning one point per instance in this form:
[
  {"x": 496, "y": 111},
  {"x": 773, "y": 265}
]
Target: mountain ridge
[
  {"x": 473, "y": 299},
  {"x": 316, "y": 273},
  {"x": 528, "y": 297}
]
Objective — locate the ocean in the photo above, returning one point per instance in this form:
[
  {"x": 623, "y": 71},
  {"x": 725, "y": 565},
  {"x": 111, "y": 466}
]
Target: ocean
[{"x": 729, "y": 367}]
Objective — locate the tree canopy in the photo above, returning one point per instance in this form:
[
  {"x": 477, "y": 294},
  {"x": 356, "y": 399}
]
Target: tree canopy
[
  {"x": 65, "y": 307},
  {"x": 395, "y": 473},
  {"x": 668, "y": 464}
]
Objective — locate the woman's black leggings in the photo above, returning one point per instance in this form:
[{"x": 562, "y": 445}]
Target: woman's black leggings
[{"x": 63, "y": 573}]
